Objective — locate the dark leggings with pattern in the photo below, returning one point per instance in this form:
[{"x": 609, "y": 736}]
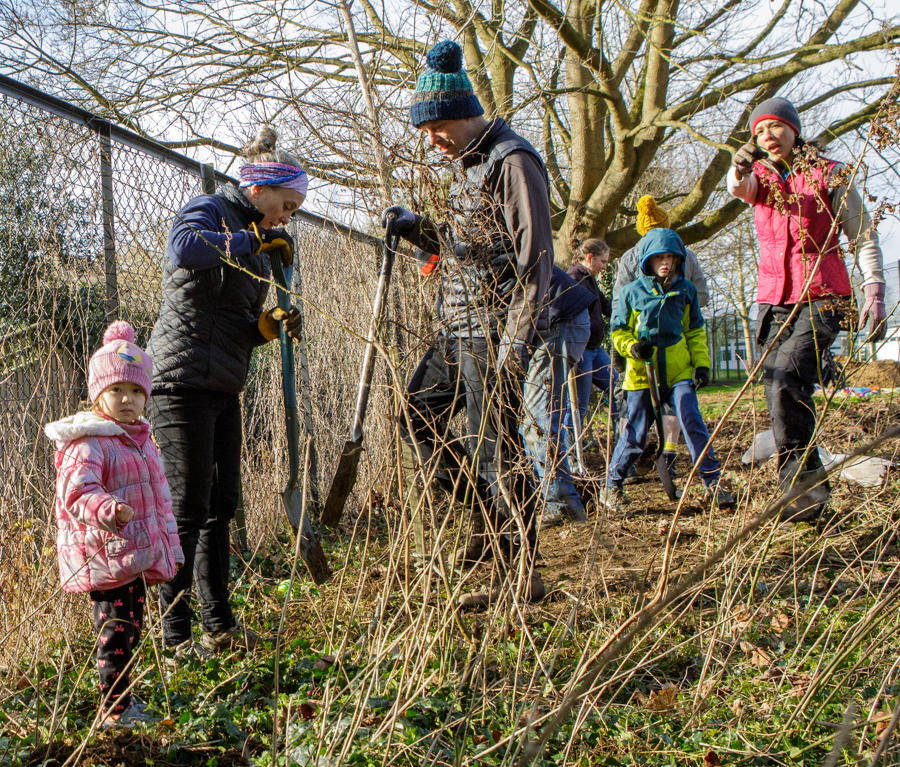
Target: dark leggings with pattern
[{"x": 118, "y": 616}]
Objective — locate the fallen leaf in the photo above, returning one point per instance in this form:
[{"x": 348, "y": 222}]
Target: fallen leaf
[
  {"x": 711, "y": 759},
  {"x": 479, "y": 740},
  {"x": 737, "y": 708},
  {"x": 880, "y": 730},
  {"x": 663, "y": 528},
  {"x": 799, "y": 683},
  {"x": 780, "y": 622},
  {"x": 307, "y": 711},
  {"x": 496, "y": 735},
  {"x": 758, "y": 656},
  {"x": 326, "y": 661},
  {"x": 742, "y": 617},
  {"x": 664, "y": 699},
  {"x": 372, "y": 721}
]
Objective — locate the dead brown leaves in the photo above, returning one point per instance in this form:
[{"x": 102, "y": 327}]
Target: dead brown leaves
[
  {"x": 757, "y": 656},
  {"x": 662, "y": 700}
]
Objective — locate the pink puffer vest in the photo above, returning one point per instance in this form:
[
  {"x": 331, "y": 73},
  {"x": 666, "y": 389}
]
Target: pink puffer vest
[{"x": 791, "y": 242}]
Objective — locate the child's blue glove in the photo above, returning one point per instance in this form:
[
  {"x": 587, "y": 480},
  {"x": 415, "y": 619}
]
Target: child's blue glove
[{"x": 701, "y": 377}]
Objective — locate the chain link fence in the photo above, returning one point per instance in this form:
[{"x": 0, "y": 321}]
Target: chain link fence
[{"x": 85, "y": 210}]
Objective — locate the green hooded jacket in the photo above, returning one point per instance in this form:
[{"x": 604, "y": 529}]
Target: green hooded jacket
[{"x": 672, "y": 316}]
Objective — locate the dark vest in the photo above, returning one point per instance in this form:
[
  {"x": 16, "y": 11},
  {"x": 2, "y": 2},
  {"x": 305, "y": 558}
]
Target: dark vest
[
  {"x": 479, "y": 276},
  {"x": 207, "y": 329}
]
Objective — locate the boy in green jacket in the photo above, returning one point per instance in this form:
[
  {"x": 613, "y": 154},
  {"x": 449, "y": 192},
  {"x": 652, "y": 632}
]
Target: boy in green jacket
[{"x": 664, "y": 304}]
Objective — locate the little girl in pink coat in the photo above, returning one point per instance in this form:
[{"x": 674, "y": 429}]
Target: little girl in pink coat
[{"x": 117, "y": 533}]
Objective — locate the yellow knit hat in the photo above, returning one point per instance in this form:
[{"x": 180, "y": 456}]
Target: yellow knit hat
[{"x": 650, "y": 216}]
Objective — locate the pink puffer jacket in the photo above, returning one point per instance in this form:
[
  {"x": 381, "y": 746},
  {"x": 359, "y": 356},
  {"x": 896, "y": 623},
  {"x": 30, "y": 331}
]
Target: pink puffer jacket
[{"x": 101, "y": 462}]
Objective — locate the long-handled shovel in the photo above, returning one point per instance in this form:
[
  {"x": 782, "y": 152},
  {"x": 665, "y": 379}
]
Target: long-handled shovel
[
  {"x": 576, "y": 422},
  {"x": 310, "y": 548},
  {"x": 662, "y": 468},
  {"x": 348, "y": 466}
]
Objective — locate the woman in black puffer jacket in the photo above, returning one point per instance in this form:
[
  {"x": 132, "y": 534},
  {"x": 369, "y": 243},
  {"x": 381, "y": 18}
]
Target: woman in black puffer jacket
[{"x": 210, "y": 321}]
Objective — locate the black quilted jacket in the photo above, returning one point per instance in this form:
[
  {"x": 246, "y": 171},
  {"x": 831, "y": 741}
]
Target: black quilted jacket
[{"x": 207, "y": 326}]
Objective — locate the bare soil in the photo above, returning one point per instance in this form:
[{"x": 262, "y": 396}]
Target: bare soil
[{"x": 880, "y": 374}]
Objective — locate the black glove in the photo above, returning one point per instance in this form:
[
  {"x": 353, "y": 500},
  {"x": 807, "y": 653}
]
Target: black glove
[
  {"x": 293, "y": 324},
  {"x": 404, "y": 220},
  {"x": 642, "y": 350},
  {"x": 273, "y": 239},
  {"x": 747, "y": 155},
  {"x": 701, "y": 377}
]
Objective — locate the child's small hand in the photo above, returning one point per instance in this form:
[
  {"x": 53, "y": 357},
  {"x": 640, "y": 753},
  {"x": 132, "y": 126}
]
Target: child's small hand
[
  {"x": 642, "y": 350},
  {"x": 124, "y": 513},
  {"x": 701, "y": 377}
]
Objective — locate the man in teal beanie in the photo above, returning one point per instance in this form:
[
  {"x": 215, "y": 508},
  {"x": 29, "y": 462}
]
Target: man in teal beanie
[{"x": 494, "y": 264}]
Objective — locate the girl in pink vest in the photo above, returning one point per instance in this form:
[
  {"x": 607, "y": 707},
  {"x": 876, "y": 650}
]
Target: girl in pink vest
[
  {"x": 801, "y": 205},
  {"x": 117, "y": 533}
]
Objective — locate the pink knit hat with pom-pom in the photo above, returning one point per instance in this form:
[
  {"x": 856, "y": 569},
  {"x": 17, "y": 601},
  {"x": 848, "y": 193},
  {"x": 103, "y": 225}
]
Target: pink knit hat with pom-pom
[{"x": 118, "y": 360}]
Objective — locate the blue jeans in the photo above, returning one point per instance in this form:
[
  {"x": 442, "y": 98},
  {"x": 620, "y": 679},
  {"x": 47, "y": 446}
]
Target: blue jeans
[
  {"x": 554, "y": 353},
  {"x": 594, "y": 369},
  {"x": 683, "y": 399}
]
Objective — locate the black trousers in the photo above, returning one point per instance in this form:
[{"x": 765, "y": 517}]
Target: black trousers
[
  {"x": 199, "y": 438},
  {"x": 455, "y": 374},
  {"x": 118, "y": 618},
  {"x": 790, "y": 373}
]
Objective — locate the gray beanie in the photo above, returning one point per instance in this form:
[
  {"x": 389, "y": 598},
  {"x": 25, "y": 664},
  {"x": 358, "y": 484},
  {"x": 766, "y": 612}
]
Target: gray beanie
[{"x": 776, "y": 108}]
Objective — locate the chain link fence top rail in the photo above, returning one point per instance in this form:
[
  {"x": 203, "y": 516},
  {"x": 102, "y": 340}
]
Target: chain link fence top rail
[{"x": 85, "y": 211}]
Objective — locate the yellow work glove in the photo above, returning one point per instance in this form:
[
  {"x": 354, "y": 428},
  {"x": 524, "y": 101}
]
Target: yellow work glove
[
  {"x": 273, "y": 239},
  {"x": 268, "y": 323}
]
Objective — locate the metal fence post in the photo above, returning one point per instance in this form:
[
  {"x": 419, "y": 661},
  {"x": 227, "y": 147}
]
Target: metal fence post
[
  {"x": 109, "y": 215},
  {"x": 208, "y": 178}
]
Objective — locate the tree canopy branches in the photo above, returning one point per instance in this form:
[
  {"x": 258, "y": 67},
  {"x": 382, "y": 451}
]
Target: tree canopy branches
[{"x": 617, "y": 96}]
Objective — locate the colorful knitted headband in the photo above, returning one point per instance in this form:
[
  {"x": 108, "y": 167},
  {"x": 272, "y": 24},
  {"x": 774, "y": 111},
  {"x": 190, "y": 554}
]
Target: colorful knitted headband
[{"x": 274, "y": 174}]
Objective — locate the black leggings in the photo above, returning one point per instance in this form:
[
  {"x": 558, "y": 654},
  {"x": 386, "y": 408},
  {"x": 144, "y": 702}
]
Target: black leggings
[
  {"x": 199, "y": 438},
  {"x": 118, "y": 617}
]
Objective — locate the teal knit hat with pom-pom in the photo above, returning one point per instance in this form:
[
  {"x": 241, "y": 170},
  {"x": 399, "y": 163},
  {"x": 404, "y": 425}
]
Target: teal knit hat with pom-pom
[{"x": 443, "y": 90}]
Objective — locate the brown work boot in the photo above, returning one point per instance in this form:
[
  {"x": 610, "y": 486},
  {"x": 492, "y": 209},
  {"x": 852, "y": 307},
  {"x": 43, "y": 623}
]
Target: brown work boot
[
  {"x": 482, "y": 600},
  {"x": 477, "y": 551},
  {"x": 238, "y": 637}
]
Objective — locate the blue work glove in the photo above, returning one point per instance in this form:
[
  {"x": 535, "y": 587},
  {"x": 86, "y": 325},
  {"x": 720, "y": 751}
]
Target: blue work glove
[
  {"x": 701, "y": 377},
  {"x": 404, "y": 220},
  {"x": 642, "y": 350},
  {"x": 513, "y": 354}
]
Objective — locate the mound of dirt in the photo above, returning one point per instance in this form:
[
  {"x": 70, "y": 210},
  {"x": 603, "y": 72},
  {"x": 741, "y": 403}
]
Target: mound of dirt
[
  {"x": 128, "y": 749},
  {"x": 878, "y": 374}
]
